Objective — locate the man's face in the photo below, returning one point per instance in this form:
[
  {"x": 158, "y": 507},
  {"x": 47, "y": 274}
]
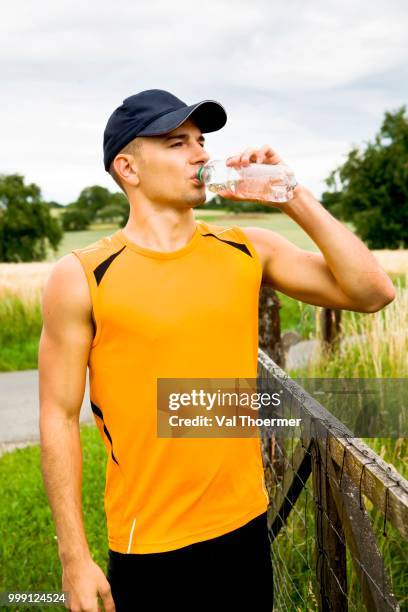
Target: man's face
[{"x": 168, "y": 165}]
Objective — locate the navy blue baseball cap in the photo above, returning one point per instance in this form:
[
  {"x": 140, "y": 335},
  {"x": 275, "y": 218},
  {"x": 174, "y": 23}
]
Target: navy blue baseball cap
[{"x": 154, "y": 112}]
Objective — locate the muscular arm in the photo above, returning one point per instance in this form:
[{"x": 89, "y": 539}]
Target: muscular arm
[
  {"x": 63, "y": 355},
  {"x": 344, "y": 275}
]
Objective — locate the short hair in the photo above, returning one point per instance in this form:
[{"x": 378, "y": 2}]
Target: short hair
[{"x": 132, "y": 148}]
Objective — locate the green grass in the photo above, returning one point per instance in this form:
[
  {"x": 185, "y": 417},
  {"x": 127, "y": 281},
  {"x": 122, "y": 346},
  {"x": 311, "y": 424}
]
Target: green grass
[
  {"x": 20, "y": 329},
  {"x": 28, "y": 546},
  {"x": 400, "y": 279},
  {"x": 77, "y": 240},
  {"x": 297, "y": 316},
  {"x": 381, "y": 346},
  {"x": 280, "y": 223},
  {"x": 19, "y": 356}
]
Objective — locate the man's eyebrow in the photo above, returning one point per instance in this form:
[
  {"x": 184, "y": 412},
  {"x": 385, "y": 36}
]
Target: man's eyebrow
[{"x": 183, "y": 137}]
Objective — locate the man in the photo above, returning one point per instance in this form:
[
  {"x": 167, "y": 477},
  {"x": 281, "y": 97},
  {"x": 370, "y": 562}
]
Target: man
[{"x": 168, "y": 297}]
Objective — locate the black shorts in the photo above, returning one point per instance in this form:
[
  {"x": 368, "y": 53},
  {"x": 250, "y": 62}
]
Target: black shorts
[{"x": 234, "y": 569}]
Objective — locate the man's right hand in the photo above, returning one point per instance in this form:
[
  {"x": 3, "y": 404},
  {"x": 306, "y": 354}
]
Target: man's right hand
[{"x": 84, "y": 581}]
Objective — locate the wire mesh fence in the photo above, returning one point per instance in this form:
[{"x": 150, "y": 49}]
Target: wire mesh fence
[{"x": 338, "y": 514}]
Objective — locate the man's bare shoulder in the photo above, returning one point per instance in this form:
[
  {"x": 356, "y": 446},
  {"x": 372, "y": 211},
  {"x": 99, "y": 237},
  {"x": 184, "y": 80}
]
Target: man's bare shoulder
[
  {"x": 262, "y": 236},
  {"x": 68, "y": 268},
  {"x": 67, "y": 286},
  {"x": 264, "y": 241}
]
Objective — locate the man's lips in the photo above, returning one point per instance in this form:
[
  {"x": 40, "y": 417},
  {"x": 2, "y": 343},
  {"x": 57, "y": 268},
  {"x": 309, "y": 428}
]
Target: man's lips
[{"x": 196, "y": 181}]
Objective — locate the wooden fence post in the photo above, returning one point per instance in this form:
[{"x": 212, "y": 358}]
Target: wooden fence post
[
  {"x": 331, "y": 571},
  {"x": 330, "y": 326},
  {"x": 269, "y": 325},
  {"x": 366, "y": 556}
]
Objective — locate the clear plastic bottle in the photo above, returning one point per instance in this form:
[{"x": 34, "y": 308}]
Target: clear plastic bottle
[{"x": 267, "y": 182}]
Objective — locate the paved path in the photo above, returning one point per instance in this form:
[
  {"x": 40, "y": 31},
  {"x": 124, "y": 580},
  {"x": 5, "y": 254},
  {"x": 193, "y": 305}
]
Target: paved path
[
  {"x": 19, "y": 409},
  {"x": 301, "y": 353}
]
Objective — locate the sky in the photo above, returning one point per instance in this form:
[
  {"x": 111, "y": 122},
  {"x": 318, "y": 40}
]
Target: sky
[{"x": 311, "y": 79}]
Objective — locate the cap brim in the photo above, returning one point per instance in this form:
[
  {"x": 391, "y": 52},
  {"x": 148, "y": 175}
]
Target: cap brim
[{"x": 209, "y": 116}]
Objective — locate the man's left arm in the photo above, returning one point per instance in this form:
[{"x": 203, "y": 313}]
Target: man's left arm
[{"x": 344, "y": 275}]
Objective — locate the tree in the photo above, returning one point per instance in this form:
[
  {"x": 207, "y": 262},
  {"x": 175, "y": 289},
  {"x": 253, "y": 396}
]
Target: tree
[
  {"x": 53, "y": 204},
  {"x": 93, "y": 199},
  {"x": 220, "y": 203},
  {"x": 110, "y": 214},
  {"x": 93, "y": 205},
  {"x": 116, "y": 210},
  {"x": 74, "y": 218},
  {"x": 27, "y": 228},
  {"x": 371, "y": 188}
]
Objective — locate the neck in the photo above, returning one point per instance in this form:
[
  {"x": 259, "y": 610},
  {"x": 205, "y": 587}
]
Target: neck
[{"x": 160, "y": 228}]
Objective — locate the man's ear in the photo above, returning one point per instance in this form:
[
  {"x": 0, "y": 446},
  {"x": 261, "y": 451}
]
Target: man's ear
[{"x": 126, "y": 168}]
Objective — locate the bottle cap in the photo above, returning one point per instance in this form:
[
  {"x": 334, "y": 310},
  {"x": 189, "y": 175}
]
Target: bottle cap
[{"x": 200, "y": 173}]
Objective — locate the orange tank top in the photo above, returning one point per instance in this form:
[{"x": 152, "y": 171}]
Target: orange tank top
[{"x": 189, "y": 313}]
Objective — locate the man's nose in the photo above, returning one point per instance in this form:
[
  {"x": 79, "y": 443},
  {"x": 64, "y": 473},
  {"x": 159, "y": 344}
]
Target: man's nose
[{"x": 202, "y": 157}]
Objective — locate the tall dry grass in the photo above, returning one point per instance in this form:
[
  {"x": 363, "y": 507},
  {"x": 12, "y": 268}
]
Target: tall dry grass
[
  {"x": 394, "y": 261},
  {"x": 21, "y": 287},
  {"x": 373, "y": 345},
  {"x": 23, "y": 280}
]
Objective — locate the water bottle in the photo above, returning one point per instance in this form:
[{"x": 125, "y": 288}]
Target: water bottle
[{"x": 267, "y": 182}]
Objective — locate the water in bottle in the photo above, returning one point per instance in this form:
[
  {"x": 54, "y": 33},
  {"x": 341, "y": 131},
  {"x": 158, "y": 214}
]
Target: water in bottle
[{"x": 266, "y": 182}]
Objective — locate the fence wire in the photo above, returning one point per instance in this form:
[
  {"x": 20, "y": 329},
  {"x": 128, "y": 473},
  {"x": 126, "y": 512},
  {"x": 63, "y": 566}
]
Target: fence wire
[{"x": 315, "y": 567}]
